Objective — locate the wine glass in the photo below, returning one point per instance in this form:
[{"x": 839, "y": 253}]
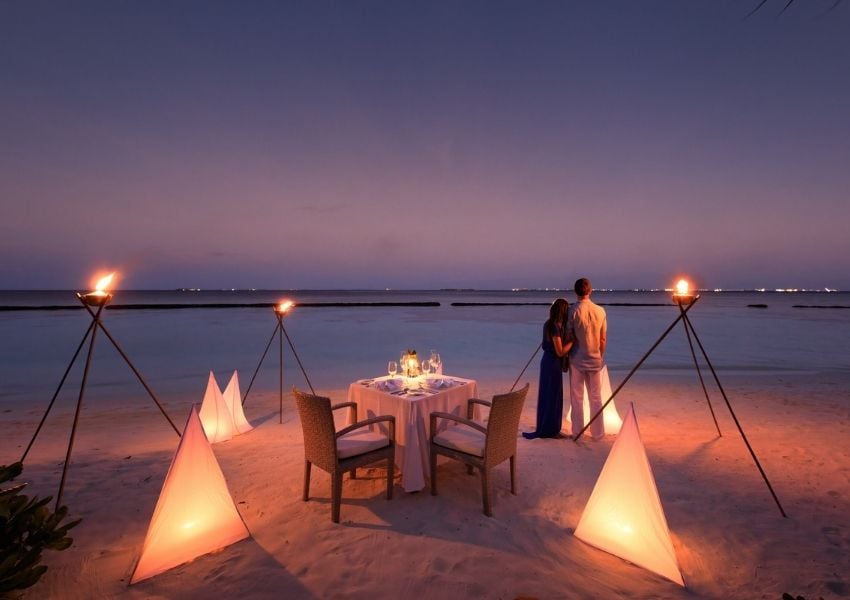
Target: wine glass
[
  {"x": 426, "y": 367},
  {"x": 392, "y": 368},
  {"x": 435, "y": 361}
]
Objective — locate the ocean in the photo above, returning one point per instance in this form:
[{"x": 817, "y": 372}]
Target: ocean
[{"x": 479, "y": 334}]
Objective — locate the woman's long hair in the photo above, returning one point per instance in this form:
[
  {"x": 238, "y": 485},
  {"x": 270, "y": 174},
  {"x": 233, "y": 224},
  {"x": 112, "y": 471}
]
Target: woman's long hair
[{"x": 557, "y": 313}]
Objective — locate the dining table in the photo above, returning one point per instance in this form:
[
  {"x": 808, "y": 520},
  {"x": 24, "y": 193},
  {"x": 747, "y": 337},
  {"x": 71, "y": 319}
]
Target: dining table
[{"x": 411, "y": 400}]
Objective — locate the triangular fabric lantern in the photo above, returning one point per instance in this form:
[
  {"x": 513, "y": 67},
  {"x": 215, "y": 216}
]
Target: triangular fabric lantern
[
  {"x": 233, "y": 399},
  {"x": 215, "y": 415},
  {"x": 610, "y": 416},
  {"x": 195, "y": 513},
  {"x": 624, "y": 514}
]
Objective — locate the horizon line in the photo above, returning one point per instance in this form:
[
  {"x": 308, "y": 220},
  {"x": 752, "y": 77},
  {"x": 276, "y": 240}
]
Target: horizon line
[{"x": 444, "y": 289}]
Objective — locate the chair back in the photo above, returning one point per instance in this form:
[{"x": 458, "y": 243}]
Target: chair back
[
  {"x": 317, "y": 425},
  {"x": 503, "y": 425}
]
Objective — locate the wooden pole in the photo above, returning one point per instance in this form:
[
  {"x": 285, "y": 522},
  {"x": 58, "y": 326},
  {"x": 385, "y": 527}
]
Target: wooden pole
[
  {"x": 699, "y": 374},
  {"x": 289, "y": 341},
  {"x": 262, "y": 358},
  {"x": 280, "y": 357},
  {"x": 58, "y": 389},
  {"x": 73, "y": 435},
  {"x": 133, "y": 368},
  {"x": 734, "y": 417},
  {"x": 536, "y": 350}
]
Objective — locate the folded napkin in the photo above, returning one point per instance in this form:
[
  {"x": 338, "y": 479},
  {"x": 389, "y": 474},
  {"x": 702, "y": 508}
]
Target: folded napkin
[
  {"x": 390, "y": 385},
  {"x": 440, "y": 384}
]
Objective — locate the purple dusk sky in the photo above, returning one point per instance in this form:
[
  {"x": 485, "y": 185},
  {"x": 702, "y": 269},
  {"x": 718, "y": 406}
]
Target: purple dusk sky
[{"x": 424, "y": 145}]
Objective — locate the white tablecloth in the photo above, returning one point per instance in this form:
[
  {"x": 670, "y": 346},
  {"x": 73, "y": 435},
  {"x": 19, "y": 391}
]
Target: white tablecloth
[{"x": 412, "y": 420}]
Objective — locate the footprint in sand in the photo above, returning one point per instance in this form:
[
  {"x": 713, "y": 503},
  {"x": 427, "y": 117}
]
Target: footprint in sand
[
  {"x": 837, "y": 587},
  {"x": 440, "y": 565},
  {"x": 833, "y": 536}
]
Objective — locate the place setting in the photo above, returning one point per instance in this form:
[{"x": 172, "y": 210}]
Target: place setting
[
  {"x": 411, "y": 390},
  {"x": 410, "y": 377}
]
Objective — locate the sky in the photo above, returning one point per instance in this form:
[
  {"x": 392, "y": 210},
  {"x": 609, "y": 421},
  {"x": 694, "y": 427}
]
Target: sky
[{"x": 422, "y": 145}]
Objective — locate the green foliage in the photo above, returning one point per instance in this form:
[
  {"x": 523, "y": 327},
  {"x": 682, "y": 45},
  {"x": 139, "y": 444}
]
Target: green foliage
[{"x": 27, "y": 527}]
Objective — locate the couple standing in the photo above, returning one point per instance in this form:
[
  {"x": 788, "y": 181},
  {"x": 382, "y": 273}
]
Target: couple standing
[{"x": 578, "y": 332}]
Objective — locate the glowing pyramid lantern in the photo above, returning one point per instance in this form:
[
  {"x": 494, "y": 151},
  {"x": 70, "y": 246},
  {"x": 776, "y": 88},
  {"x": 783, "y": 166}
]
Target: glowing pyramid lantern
[
  {"x": 624, "y": 514},
  {"x": 215, "y": 415},
  {"x": 610, "y": 416},
  {"x": 233, "y": 400},
  {"x": 195, "y": 513}
]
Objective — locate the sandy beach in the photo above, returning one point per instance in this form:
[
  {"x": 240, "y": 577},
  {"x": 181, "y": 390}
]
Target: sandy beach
[
  {"x": 730, "y": 540},
  {"x": 315, "y": 193}
]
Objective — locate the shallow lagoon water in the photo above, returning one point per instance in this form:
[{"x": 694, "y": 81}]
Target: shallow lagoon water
[{"x": 175, "y": 349}]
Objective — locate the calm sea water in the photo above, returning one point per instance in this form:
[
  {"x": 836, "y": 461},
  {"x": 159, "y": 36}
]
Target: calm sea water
[{"x": 175, "y": 349}]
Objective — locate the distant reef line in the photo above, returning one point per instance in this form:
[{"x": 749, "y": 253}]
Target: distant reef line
[
  {"x": 549, "y": 303},
  {"x": 816, "y": 306},
  {"x": 223, "y": 305},
  {"x": 429, "y": 304},
  {"x": 186, "y": 305}
]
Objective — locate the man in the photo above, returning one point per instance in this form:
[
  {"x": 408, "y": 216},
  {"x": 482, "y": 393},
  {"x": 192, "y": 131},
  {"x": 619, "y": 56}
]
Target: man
[{"x": 587, "y": 326}]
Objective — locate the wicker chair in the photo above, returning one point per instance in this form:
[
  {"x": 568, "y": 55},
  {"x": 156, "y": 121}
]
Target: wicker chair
[
  {"x": 479, "y": 446},
  {"x": 341, "y": 451}
]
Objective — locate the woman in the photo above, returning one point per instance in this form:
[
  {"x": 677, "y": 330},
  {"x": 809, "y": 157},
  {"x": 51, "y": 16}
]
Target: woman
[{"x": 550, "y": 392}]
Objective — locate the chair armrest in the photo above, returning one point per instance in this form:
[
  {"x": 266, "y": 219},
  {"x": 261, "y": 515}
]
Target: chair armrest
[
  {"x": 450, "y": 417},
  {"x": 389, "y": 418},
  {"x": 351, "y": 405},
  {"x": 470, "y": 408}
]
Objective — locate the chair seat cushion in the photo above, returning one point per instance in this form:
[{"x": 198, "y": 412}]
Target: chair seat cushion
[
  {"x": 360, "y": 441},
  {"x": 463, "y": 439}
]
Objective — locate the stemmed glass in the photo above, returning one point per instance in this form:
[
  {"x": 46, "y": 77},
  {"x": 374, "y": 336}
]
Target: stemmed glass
[
  {"x": 392, "y": 368},
  {"x": 435, "y": 361},
  {"x": 426, "y": 367}
]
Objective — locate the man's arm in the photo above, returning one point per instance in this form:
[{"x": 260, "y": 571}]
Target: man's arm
[{"x": 603, "y": 336}]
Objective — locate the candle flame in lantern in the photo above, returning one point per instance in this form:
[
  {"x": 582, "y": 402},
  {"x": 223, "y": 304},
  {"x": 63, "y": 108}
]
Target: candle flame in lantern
[
  {"x": 103, "y": 282},
  {"x": 682, "y": 287},
  {"x": 285, "y": 306}
]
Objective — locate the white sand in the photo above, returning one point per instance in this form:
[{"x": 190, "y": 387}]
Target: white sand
[{"x": 729, "y": 537}]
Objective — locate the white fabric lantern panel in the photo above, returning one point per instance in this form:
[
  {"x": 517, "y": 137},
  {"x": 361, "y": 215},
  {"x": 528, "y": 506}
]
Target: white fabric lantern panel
[
  {"x": 624, "y": 515},
  {"x": 233, "y": 400},
  {"x": 195, "y": 513},
  {"x": 215, "y": 414},
  {"x": 610, "y": 416}
]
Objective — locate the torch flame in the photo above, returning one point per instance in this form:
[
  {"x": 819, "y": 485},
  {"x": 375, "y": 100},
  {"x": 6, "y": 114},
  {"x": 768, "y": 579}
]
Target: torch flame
[
  {"x": 283, "y": 307},
  {"x": 682, "y": 287},
  {"x": 103, "y": 282}
]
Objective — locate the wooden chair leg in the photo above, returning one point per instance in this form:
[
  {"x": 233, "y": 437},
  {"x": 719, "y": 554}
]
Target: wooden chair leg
[
  {"x": 336, "y": 495},
  {"x": 390, "y": 476},
  {"x": 354, "y": 473},
  {"x": 513, "y": 474},
  {"x": 485, "y": 492},
  {"x": 307, "y": 466},
  {"x": 433, "y": 472}
]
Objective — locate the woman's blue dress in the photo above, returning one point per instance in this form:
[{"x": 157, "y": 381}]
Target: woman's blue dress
[{"x": 550, "y": 394}]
